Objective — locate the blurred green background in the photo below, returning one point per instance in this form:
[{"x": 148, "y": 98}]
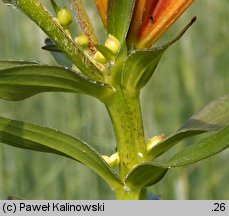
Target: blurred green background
[{"x": 191, "y": 73}]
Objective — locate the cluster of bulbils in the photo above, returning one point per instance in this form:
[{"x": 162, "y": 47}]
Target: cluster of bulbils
[{"x": 64, "y": 18}]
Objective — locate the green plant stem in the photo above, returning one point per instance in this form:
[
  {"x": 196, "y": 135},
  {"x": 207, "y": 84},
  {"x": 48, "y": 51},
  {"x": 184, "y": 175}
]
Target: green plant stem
[
  {"x": 130, "y": 194},
  {"x": 125, "y": 113}
]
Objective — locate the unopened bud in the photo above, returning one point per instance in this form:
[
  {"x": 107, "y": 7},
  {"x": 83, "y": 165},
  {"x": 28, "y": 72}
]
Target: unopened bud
[
  {"x": 112, "y": 43},
  {"x": 154, "y": 141},
  {"x": 113, "y": 160},
  {"x": 82, "y": 40},
  {"x": 100, "y": 58},
  {"x": 64, "y": 17}
]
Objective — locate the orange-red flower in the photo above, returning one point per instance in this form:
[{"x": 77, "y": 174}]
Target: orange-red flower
[
  {"x": 151, "y": 18},
  {"x": 158, "y": 17},
  {"x": 102, "y": 8}
]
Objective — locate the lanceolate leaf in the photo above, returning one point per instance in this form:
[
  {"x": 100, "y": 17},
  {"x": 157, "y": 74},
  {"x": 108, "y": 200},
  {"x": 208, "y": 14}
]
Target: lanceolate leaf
[
  {"x": 141, "y": 64},
  {"x": 146, "y": 174},
  {"x": 212, "y": 117},
  {"x": 139, "y": 68},
  {"x": 119, "y": 17},
  {"x": 34, "y": 137},
  {"x": 4, "y": 64},
  {"x": 37, "y": 12},
  {"x": 207, "y": 147},
  {"x": 20, "y": 82}
]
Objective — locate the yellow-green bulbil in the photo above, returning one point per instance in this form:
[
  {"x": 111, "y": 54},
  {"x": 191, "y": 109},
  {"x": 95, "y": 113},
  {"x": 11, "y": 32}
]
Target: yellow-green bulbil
[
  {"x": 154, "y": 141},
  {"x": 64, "y": 17},
  {"x": 82, "y": 40},
  {"x": 112, "y": 43},
  {"x": 113, "y": 160}
]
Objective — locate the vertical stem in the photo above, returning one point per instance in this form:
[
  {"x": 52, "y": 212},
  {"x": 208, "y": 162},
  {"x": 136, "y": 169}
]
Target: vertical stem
[
  {"x": 125, "y": 113},
  {"x": 132, "y": 193}
]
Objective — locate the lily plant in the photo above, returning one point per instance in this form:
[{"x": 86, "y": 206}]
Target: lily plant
[{"x": 114, "y": 72}]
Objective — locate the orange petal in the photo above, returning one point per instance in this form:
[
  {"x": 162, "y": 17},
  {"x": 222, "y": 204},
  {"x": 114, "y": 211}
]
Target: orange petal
[
  {"x": 151, "y": 4},
  {"x": 102, "y": 9},
  {"x": 137, "y": 19},
  {"x": 165, "y": 13}
]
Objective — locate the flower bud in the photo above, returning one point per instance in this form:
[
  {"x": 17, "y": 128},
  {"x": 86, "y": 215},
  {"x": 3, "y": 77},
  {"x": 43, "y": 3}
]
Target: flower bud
[
  {"x": 102, "y": 6},
  {"x": 82, "y": 40},
  {"x": 100, "y": 58},
  {"x": 113, "y": 160},
  {"x": 112, "y": 43},
  {"x": 154, "y": 141},
  {"x": 64, "y": 17}
]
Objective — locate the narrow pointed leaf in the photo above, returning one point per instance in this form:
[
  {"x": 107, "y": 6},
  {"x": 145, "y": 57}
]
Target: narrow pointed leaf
[
  {"x": 212, "y": 117},
  {"x": 207, "y": 147},
  {"x": 4, "y": 64},
  {"x": 139, "y": 67},
  {"x": 37, "y": 138},
  {"x": 146, "y": 174},
  {"x": 37, "y": 12},
  {"x": 141, "y": 64},
  {"x": 119, "y": 17},
  {"x": 17, "y": 83}
]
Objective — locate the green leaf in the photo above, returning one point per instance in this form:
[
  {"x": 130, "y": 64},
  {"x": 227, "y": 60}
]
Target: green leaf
[
  {"x": 139, "y": 67},
  {"x": 119, "y": 17},
  {"x": 20, "y": 82},
  {"x": 34, "y": 137},
  {"x": 212, "y": 117},
  {"x": 207, "y": 147},
  {"x": 4, "y": 64},
  {"x": 39, "y": 14},
  {"x": 146, "y": 174}
]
